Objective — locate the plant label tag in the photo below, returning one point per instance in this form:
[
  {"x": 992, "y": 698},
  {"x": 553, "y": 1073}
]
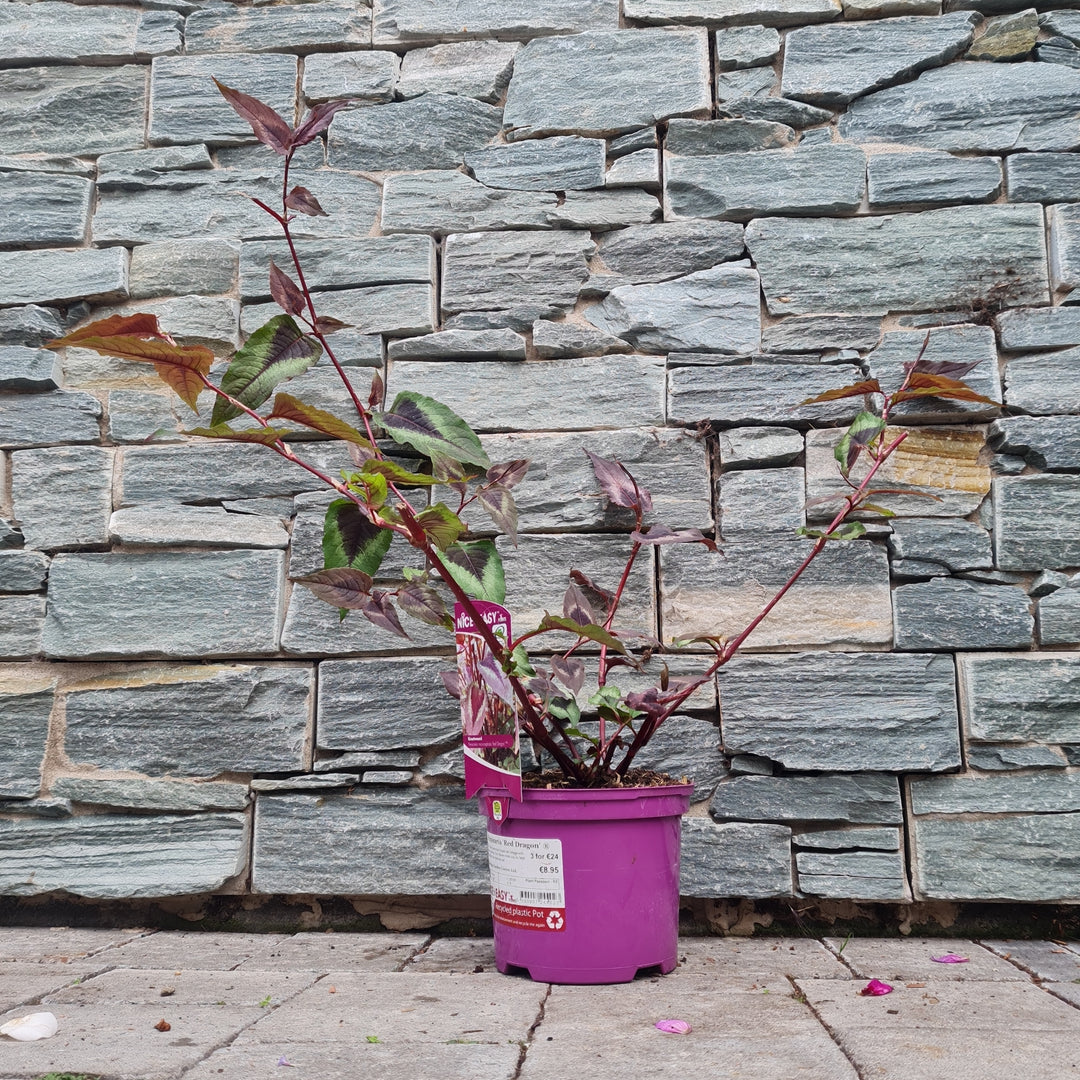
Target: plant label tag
[
  {"x": 489, "y": 714},
  {"x": 527, "y": 883}
]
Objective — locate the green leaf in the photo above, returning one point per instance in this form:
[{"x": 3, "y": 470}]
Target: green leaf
[
  {"x": 350, "y": 539},
  {"x": 277, "y": 351},
  {"x": 863, "y": 430},
  {"x": 441, "y": 525},
  {"x": 396, "y": 473},
  {"x": 585, "y": 630},
  {"x": 373, "y": 489},
  {"x": 266, "y": 436},
  {"x": 851, "y": 531},
  {"x": 287, "y": 407},
  {"x": 475, "y": 565},
  {"x": 881, "y": 511},
  {"x": 430, "y": 427}
]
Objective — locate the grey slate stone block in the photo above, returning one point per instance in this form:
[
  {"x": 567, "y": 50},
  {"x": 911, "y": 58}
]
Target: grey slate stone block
[
  {"x": 108, "y": 857},
  {"x": 60, "y": 276},
  {"x": 59, "y": 33},
  {"x": 185, "y": 109},
  {"x": 433, "y": 131},
  {"x": 657, "y": 252},
  {"x": 856, "y": 798},
  {"x": 759, "y": 447},
  {"x": 20, "y": 626},
  {"x": 811, "y": 333},
  {"x": 1065, "y": 251},
  {"x": 460, "y": 345},
  {"x": 23, "y": 571},
  {"x": 1047, "y": 582},
  {"x": 735, "y": 859},
  {"x": 504, "y": 269},
  {"x": 752, "y": 82},
  {"x": 819, "y": 180},
  {"x": 603, "y": 210},
  {"x": 380, "y": 309},
  {"x": 62, "y": 495},
  {"x": 195, "y": 526},
  {"x": 397, "y": 842},
  {"x": 171, "y": 603},
  {"x": 163, "y": 795},
  {"x": 176, "y": 267},
  {"x": 30, "y": 326},
  {"x": 610, "y": 82},
  {"x": 562, "y": 163},
  {"x": 756, "y": 393},
  {"x": 745, "y": 46},
  {"x": 777, "y": 110},
  {"x": 559, "y": 339},
  {"x": 156, "y": 159},
  {"x": 24, "y": 720},
  {"x": 1036, "y": 522},
  {"x": 360, "y": 76},
  {"x": 603, "y": 391},
  {"x": 733, "y": 12},
  {"x": 707, "y": 138},
  {"x": 645, "y": 138},
  {"x": 687, "y": 747},
  {"x": 705, "y": 594},
  {"x": 72, "y": 110},
  {"x": 879, "y": 9},
  {"x": 1028, "y": 858},
  {"x": 28, "y": 369},
  {"x": 213, "y": 321},
  {"x": 1043, "y": 178},
  {"x": 1010, "y": 37},
  {"x": 1039, "y": 328},
  {"x": 975, "y": 106},
  {"x": 863, "y": 839},
  {"x": 303, "y": 28},
  {"x": 758, "y": 503},
  {"x": 477, "y": 69},
  {"x": 833, "y": 65},
  {"x": 717, "y": 310},
  {"x": 449, "y": 202},
  {"x": 1044, "y": 385},
  {"x": 949, "y": 614},
  {"x": 210, "y": 203},
  {"x": 194, "y": 721},
  {"x": 43, "y": 209},
  {"x": 1002, "y": 758},
  {"x": 1021, "y": 698},
  {"x": 1062, "y": 21},
  {"x": 60, "y": 416},
  {"x": 415, "y": 22},
  {"x": 931, "y": 178},
  {"x": 839, "y": 712},
  {"x": 971, "y": 793},
  {"x": 1050, "y": 442},
  {"x": 953, "y": 542},
  {"x": 862, "y": 265},
  {"x": 859, "y": 875},
  {"x": 339, "y": 263},
  {"x": 386, "y": 704},
  {"x": 640, "y": 169},
  {"x": 307, "y": 782},
  {"x": 1059, "y": 618}
]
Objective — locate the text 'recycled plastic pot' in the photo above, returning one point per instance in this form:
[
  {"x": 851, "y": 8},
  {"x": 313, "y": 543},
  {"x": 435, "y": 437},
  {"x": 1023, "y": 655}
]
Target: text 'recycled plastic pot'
[{"x": 585, "y": 883}]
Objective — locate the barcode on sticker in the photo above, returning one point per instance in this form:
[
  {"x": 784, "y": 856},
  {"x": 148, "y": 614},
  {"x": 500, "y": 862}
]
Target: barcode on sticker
[{"x": 542, "y": 897}]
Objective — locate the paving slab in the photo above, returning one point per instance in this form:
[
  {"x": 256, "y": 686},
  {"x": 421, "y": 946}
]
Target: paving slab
[
  {"x": 349, "y": 1007},
  {"x": 471, "y": 956},
  {"x": 59, "y": 945},
  {"x": 193, "y": 951},
  {"x": 909, "y": 959},
  {"x": 24, "y": 983},
  {"x": 1050, "y": 961},
  {"x": 124, "y": 1042},
  {"x": 805, "y": 957},
  {"x": 338, "y": 952}
]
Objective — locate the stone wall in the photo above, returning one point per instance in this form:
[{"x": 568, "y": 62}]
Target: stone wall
[{"x": 579, "y": 225}]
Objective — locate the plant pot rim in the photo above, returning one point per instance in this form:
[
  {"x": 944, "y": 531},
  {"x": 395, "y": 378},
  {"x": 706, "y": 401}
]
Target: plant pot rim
[{"x": 531, "y": 794}]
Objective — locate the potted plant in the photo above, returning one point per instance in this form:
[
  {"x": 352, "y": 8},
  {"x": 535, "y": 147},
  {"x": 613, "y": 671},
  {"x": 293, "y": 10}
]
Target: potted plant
[{"x": 585, "y": 858}]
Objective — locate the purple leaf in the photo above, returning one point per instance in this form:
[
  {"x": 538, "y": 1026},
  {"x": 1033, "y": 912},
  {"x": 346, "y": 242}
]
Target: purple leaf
[
  {"x": 597, "y": 596},
  {"x": 674, "y": 1027},
  {"x": 317, "y": 121},
  {"x": 268, "y": 126},
  {"x": 285, "y": 291},
  {"x": 341, "y": 586},
  {"x": 452, "y": 682},
  {"x": 424, "y": 603},
  {"x": 949, "y": 958},
  {"x": 508, "y": 473},
  {"x": 499, "y": 504},
  {"x": 303, "y": 202},
  {"x": 377, "y": 391},
  {"x": 619, "y": 485},
  {"x": 326, "y": 324},
  {"x": 379, "y": 609},
  {"x": 495, "y": 679},
  {"x": 576, "y": 606},
  {"x": 875, "y": 988},
  {"x": 570, "y": 672},
  {"x": 661, "y": 534},
  {"x": 951, "y": 369}
]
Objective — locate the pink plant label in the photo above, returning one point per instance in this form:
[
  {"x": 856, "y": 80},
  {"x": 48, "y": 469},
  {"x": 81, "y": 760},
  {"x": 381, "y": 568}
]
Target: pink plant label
[
  {"x": 489, "y": 714},
  {"x": 527, "y": 883}
]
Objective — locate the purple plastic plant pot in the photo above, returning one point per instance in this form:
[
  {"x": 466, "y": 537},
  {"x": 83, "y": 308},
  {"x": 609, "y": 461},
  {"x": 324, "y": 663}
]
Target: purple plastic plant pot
[{"x": 585, "y": 883}]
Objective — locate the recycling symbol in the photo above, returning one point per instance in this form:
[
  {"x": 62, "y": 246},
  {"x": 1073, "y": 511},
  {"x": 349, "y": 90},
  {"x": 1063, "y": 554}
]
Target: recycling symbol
[{"x": 555, "y": 920}]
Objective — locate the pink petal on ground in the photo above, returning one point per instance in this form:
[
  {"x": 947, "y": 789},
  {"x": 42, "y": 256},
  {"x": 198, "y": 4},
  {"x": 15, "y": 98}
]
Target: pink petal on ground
[
  {"x": 949, "y": 958},
  {"x": 281, "y": 1061},
  {"x": 875, "y": 988},
  {"x": 674, "y": 1027}
]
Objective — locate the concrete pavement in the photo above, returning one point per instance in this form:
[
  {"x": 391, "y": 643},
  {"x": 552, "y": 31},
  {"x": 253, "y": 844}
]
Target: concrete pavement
[{"x": 157, "y": 1005}]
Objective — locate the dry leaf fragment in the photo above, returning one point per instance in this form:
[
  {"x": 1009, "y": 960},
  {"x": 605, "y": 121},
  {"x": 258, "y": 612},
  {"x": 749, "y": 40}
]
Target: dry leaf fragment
[{"x": 163, "y": 1025}]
